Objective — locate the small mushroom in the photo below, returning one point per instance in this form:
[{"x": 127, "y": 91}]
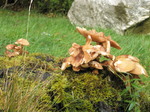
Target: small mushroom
[
  {"x": 95, "y": 71},
  {"x": 15, "y": 50},
  {"x": 22, "y": 42},
  {"x": 78, "y": 60},
  {"x": 95, "y": 64},
  {"x": 75, "y": 50},
  {"x": 66, "y": 63},
  {"x": 76, "y": 69},
  {"x": 11, "y": 54},
  {"x": 91, "y": 52},
  {"x": 10, "y": 47}
]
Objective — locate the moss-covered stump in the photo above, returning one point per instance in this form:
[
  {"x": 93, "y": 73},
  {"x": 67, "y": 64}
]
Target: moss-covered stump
[{"x": 36, "y": 83}]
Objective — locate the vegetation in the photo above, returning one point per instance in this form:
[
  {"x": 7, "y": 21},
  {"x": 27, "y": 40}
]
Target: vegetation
[
  {"x": 42, "y": 6},
  {"x": 34, "y": 82}
]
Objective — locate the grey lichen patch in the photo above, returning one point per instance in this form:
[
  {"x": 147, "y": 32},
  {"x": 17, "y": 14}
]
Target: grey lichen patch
[
  {"x": 140, "y": 28},
  {"x": 120, "y": 12}
]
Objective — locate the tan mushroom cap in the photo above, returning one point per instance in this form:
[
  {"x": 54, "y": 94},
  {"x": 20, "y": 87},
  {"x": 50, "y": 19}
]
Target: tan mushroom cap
[
  {"x": 22, "y": 42},
  {"x": 139, "y": 70},
  {"x": 112, "y": 42},
  {"x": 94, "y": 35},
  {"x": 18, "y": 47},
  {"x": 66, "y": 63},
  {"x": 76, "y": 69},
  {"x": 91, "y": 52},
  {"x": 11, "y": 54},
  {"x": 78, "y": 60},
  {"x": 98, "y": 37},
  {"x": 10, "y": 46},
  {"x": 75, "y": 50},
  {"x": 95, "y": 64},
  {"x": 132, "y": 58},
  {"x": 124, "y": 65},
  {"x": 130, "y": 64}
]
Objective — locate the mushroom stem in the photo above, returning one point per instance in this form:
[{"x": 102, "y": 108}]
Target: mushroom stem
[
  {"x": 106, "y": 45},
  {"x": 88, "y": 40}
]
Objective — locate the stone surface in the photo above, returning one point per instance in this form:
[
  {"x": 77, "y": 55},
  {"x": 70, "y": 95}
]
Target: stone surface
[{"x": 123, "y": 16}]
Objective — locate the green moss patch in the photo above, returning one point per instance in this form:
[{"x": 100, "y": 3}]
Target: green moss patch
[{"x": 35, "y": 83}]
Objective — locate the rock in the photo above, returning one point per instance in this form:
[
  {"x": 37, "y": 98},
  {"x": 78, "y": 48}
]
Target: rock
[
  {"x": 123, "y": 16},
  {"x": 102, "y": 107},
  {"x": 45, "y": 76}
]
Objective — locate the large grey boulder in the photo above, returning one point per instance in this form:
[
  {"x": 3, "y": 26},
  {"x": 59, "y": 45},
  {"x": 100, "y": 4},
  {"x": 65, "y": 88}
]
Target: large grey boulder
[{"x": 123, "y": 16}]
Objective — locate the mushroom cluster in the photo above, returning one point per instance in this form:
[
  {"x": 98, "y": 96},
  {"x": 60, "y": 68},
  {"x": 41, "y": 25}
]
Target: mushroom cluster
[
  {"x": 17, "y": 48},
  {"x": 126, "y": 64},
  {"x": 88, "y": 55}
]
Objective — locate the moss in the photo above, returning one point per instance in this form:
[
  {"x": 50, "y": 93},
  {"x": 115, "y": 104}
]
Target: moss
[
  {"x": 69, "y": 88},
  {"x": 38, "y": 81}
]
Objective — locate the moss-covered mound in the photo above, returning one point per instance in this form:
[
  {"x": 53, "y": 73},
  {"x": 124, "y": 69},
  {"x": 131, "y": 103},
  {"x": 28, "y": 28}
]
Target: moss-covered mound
[{"x": 36, "y": 83}]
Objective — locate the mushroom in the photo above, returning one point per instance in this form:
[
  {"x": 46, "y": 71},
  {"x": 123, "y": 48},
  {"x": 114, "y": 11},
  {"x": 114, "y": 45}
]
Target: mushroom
[
  {"x": 126, "y": 64},
  {"x": 92, "y": 52},
  {"x": 66, "y": 63},
  {"x": 139, "y": 70},
  {"x": 75, "y": 50},
  {"x": 98, "y": 37},
  {"x": 85, "y": 56},
  {"x": 75, "y": 59},
  {"x": 89, "y": 51},
  {"x": 22, "y": 42},
  {"x": 95, "y": 64},
  {"x": 130, "y": 64},
  {"x": 11, "y": 54},
  {"x": 135, "y": 59},
  {"x": 17, "y": 50},
  {"x": 10, "y": 47},
  {"x": 106, "y": 45},
  {"x": 76, "y": 69}
]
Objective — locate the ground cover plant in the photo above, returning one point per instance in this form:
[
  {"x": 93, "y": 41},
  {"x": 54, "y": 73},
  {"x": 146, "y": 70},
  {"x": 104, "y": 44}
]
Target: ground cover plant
[{"x": 54, "y": 36}]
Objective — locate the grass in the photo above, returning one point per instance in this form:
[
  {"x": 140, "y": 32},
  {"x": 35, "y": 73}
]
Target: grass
[{"x": 55, "y": 35}]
